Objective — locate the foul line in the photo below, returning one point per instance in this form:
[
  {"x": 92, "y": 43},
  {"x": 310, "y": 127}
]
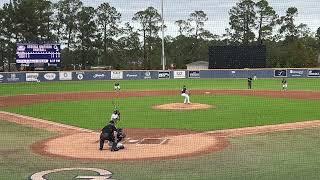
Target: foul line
[{"x": 27, "y": 119}]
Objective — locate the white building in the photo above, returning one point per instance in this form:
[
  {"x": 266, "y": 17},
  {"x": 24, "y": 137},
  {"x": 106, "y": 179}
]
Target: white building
[{"x": 198, "y": 65}]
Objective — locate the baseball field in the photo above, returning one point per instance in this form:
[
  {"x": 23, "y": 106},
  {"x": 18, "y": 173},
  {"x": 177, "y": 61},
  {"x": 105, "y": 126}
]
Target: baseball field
[{"x": 263, "y": 133}]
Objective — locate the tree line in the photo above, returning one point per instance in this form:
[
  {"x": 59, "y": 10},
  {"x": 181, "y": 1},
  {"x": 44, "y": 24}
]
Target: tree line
[{"x": 98, "y": 36}]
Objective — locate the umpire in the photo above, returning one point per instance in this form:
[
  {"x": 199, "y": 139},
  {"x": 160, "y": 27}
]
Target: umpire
[{"x": 108, "y": 133}]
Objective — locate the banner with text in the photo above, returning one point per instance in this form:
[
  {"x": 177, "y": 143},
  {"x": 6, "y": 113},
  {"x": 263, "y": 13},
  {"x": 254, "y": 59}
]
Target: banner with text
[
  {"x": 194, "y": 74},
  {"x": 164, "y": 75},
  {"x": 116, "y": 75},
  {"x": 296, "y": 73},
  {"x": 65, "y": 76},
  {"x": 280, "y": 73},
  {"x": 132, "y": 75},
  {"x": 32, "y": 77},
  {"x": 179, "y": 74},
  {"x": 314, "y": 73},
  {"x": 15, "y": 77}
]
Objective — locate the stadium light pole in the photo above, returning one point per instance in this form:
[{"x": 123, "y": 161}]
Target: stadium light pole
[{"x": 162, "y": 31}]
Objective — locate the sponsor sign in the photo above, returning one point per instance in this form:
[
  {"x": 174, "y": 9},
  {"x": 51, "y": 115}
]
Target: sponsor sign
[
  {"x": 65, "y": 76},
  {"x": 194, "y": 74},
  {"x": 1, "y": 77},
  {"x": 164, "y": 75},
  {"x": 116, "y": 75},
  {"x": 13, "y": 78},
  {"x": 314, "y": 73},
  {"x": 32, "y": 77},
  {"x": 131, "y": 75},
  {"x": 296, "y": 73},
  {"x": 80, "y": 75},
  {"x": 99, "y": 76},
  {"x": 50, "y": 76},
  {"x": 280, "y": 73},
  {"x": 101, "y": 173},
  {"x": 147, "y": 75},
  {"x": 179, "y": 74}
]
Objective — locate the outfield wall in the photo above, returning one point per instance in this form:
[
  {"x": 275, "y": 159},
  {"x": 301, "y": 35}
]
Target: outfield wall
[{"x": 15, "y": 77}]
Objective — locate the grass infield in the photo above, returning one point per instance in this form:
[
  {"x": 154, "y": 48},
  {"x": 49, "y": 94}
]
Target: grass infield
[{"x": 230, "y": 112}]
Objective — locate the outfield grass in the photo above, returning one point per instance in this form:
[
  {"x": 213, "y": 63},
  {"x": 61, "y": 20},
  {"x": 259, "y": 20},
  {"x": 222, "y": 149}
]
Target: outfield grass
[
  {"x": 132, "y": 85},
  {"x": 230, "y": 112},
  {"x": 277, "y": 156}
]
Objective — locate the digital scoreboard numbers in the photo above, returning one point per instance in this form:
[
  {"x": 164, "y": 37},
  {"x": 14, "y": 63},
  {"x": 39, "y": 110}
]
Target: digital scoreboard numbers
[{"x": 38, "y": 53}]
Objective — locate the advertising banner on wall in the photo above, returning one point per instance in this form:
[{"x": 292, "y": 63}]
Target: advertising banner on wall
[
  {"x": 132, "y": 74},
  {"x": 79, "y": 75},
  {"x": 314, "y": 73},
  {"x": 150, "y": 75},
  {"x": 116, "y": 75},
  {"x": 65, "y": 76},
  {"x": 2, "y": 77},
  {"x": 32, "y": 77},
  {"x": 164, "y": 75},
  {"x": 50, "y": 76},
  {"x": 179, "y": 74},
  {"x": 15, "y": 77},
  {"x": 280, "y": 73},
  {"x": 296, "y": 73},
  {"x": 98, "y": 75},
  {"x": 194, "y": 74},
  {"x": 147, "y": 75}
]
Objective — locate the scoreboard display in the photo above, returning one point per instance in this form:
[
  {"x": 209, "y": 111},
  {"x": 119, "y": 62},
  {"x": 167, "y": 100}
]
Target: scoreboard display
[
  {"x": 237, "y": 57},
  {"x": 38, "y": 53}
]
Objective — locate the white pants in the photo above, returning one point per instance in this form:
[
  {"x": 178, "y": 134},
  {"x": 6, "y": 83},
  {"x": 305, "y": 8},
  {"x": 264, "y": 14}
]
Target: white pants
[
  {"x": 285, "y": 86},
  {"x": 186, "y": 98},
  {"x": 116, "y": 88}
]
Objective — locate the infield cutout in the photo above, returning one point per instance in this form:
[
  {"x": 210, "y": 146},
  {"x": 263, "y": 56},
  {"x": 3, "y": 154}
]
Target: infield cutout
[{"x": 182, "y": 106}]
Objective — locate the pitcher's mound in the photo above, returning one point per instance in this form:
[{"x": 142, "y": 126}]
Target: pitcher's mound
[{"x": 181, "y": 106}]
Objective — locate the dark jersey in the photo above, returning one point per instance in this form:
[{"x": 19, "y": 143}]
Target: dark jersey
[
  {"x": 249, "y": 80},
  {"x": 184, "y": 90},
  {"x": 109, "y": 129},
  {"x": 116, "y": 84},
  {"x": 284, "y": 81}
]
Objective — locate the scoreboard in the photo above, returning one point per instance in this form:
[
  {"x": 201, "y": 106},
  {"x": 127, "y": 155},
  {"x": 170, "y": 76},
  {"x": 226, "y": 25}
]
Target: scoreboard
[
  {"x": 237, "y": 57},
  {"x": 38, "y": 53}
]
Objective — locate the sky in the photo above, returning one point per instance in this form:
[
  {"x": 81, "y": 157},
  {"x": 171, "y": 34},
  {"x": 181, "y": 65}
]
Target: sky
[{"x": 216, "y": 10}]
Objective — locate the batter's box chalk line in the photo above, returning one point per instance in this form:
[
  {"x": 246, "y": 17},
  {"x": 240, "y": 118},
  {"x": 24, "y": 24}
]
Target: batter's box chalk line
[{"x": 152, "y": 141}]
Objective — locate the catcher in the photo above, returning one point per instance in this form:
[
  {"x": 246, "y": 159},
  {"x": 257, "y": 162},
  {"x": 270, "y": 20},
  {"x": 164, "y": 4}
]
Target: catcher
[{"x": 120, "y": 136}]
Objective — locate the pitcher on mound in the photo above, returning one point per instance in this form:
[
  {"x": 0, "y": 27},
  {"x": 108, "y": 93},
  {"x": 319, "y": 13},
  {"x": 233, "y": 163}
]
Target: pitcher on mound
[{"x": 185, "y": 94}]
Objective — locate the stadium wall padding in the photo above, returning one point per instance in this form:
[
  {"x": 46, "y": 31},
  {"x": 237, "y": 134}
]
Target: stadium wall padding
[{"x": 41, "y": 76}]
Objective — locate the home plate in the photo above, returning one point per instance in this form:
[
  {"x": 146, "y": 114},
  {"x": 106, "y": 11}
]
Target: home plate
[{"x": 207, "y": 92}]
